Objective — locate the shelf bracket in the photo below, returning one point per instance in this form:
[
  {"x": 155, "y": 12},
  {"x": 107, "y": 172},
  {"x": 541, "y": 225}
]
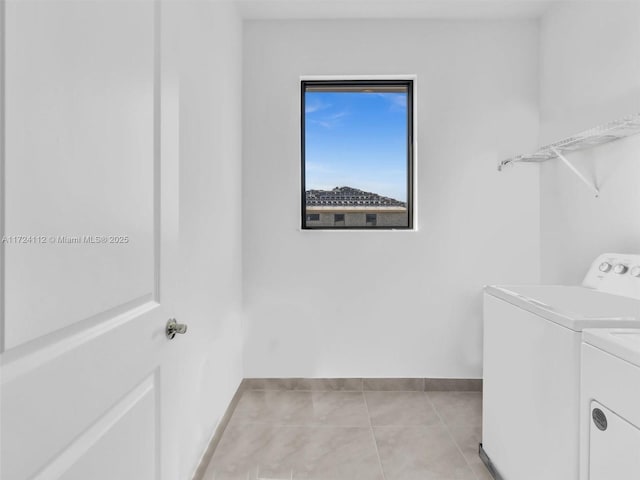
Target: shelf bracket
[
  {"x": 504, "y": 163},
  {"x": 570, "y": 166}
]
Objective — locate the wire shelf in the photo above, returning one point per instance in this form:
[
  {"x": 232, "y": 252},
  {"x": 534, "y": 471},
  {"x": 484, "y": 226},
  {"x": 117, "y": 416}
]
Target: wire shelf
[{"x": 593, "y": 137}]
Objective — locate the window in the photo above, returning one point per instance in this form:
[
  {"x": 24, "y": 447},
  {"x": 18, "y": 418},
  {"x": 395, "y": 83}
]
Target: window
[
  {"x": 371, "y": 219},
  {"x": 357, "y": 153},
  {"x": 313, "y": 217}
]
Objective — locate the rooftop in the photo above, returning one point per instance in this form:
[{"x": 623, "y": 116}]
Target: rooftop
[{"x": 349, "y": 197}]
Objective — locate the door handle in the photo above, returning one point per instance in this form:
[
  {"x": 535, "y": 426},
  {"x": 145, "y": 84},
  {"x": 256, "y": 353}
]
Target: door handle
[{"x": 173, "y": 328}]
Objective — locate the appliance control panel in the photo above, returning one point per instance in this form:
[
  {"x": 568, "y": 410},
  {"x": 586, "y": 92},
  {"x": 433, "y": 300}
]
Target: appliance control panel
[{"x": 615, "y": 273}]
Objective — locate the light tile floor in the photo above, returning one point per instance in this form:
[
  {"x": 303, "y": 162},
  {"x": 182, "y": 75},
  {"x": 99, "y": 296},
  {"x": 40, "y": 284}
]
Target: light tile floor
[{"x": 336, "y": 435}]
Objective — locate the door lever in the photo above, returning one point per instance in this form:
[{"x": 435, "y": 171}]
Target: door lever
[{"x": 173, "y": 328}]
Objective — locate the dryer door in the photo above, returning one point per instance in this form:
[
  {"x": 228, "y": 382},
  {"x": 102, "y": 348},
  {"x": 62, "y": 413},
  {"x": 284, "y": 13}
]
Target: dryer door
[{"x": 614, "y": 446}]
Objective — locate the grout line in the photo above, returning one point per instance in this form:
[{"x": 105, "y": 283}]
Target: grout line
[
  {"x": 373, "y": 435},
  {"x": 336, "y": 391},
  {"x": 446, "y": 427},
  {"x": 426, "y": 394},
  {"x": 236, "y": 423},
  {"x": 299, "y": 390}
]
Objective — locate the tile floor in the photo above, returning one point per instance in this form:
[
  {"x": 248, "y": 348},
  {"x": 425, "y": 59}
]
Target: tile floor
[{"x": 338, "y": 435}]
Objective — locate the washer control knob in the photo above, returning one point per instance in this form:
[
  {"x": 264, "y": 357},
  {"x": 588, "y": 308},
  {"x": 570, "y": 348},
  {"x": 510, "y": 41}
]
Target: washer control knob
[
  {"x": 620, "y": 269},
  {"x": 635, "y": 272},
  {"x": 605, "y": 267}
]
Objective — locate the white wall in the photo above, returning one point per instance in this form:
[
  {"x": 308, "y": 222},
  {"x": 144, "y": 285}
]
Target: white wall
[
  {"x": 202, "y": 44},
  {"x": 389, "y": 304},
  {"x": 590, "y": 75}
]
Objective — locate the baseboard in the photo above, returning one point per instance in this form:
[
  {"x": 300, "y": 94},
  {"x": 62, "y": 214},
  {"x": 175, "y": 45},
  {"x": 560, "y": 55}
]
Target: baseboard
[
  {"x": 366, "y": 384},
  {"x": 217, "y": 434},
  {"x": 487, "y": 463}
]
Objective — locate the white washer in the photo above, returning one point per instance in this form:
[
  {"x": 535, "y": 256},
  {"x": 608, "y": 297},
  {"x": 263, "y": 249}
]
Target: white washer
[
  {"x": 532, "y": 338},
  {"x": 610, "y": 405}
]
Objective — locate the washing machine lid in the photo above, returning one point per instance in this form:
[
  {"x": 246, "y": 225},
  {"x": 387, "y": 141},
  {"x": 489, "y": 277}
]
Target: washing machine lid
[
  {"x": 573, "y": 307},
  {"x": 624, "y": 343}
]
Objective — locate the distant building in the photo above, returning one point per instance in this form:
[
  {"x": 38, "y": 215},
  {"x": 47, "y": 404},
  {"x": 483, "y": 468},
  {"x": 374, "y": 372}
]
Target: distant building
[{"x": 350, "y": 207}]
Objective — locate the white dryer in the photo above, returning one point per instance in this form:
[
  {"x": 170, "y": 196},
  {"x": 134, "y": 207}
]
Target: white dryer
[
  {"x": 532, "y": 341},
  {"x": 610, "y": 405}
]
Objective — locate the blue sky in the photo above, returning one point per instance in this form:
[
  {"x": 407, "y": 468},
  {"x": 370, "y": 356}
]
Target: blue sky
[{"x": 358, "y": 140}]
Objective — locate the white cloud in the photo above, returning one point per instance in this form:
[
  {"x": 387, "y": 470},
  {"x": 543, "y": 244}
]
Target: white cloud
[
  {"x": 397, "y": 101},
  {"x": 329, "y": 121},
  {"x": 315, "y": 106}
]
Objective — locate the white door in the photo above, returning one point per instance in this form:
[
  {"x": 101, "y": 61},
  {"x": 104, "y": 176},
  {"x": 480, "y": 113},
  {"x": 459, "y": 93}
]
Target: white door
[{"x": 89, "y": 233}]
